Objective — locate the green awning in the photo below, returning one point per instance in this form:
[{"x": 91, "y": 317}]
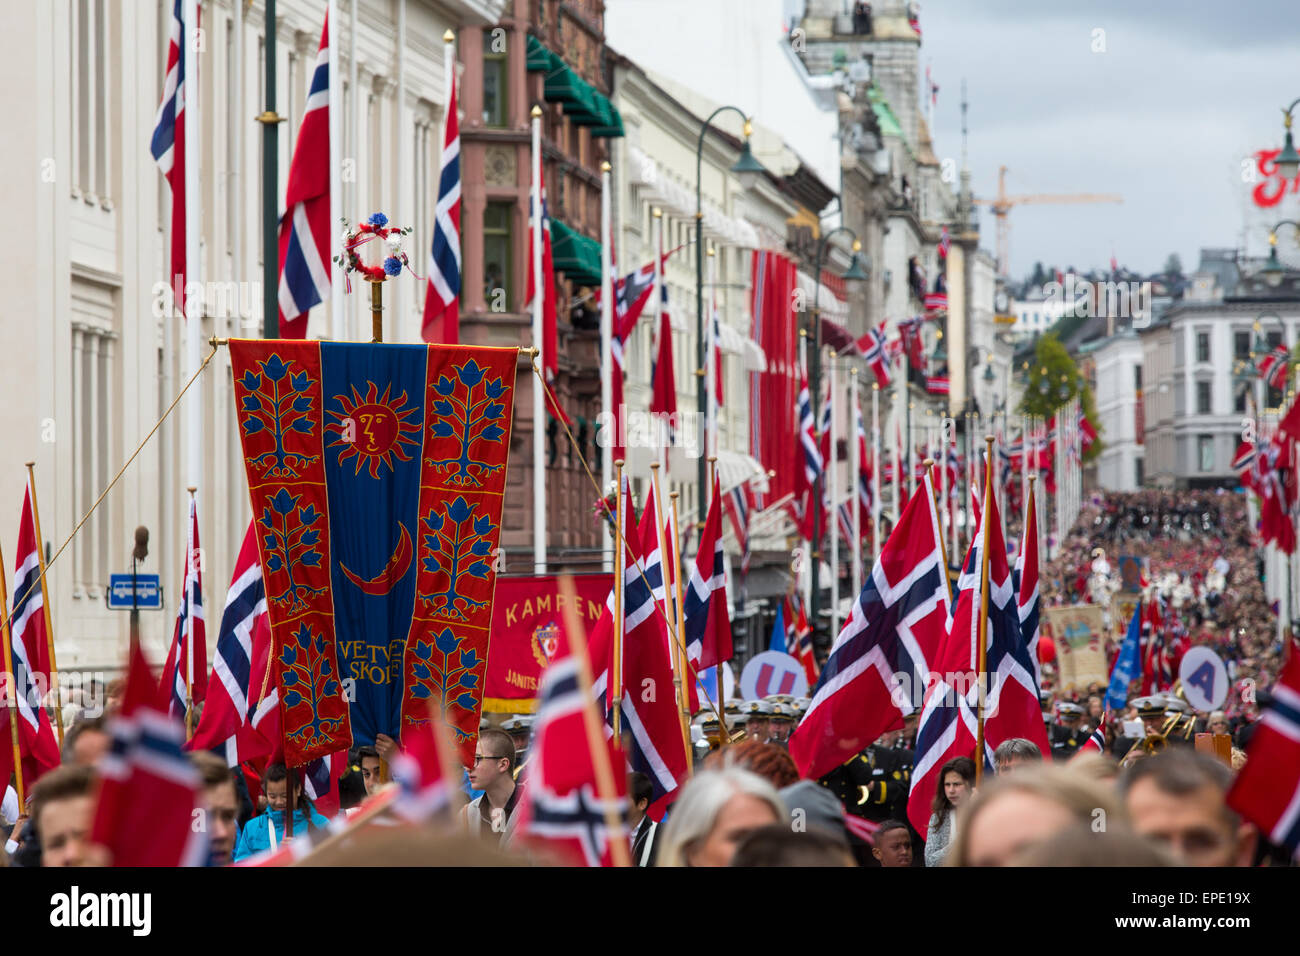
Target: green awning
[
  {"x": 613, "y": 126},
  {"x": 575, "y": 255},
  {"x": 583, "y": 104}
]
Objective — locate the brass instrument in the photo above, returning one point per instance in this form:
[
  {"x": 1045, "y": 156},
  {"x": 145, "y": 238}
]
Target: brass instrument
[{"x": 1156, "y": 743}]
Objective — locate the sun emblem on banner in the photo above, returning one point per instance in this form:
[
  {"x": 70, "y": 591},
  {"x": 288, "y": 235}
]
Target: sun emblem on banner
[{"x": 374, "y": 430}]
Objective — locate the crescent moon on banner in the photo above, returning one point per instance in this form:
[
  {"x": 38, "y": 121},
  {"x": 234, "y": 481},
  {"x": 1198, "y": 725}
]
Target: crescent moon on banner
[{"x": 393, "y": 572}]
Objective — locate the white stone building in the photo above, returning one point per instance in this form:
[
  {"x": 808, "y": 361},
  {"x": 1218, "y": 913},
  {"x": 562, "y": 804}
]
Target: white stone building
[{"x": 89, "y": 360}]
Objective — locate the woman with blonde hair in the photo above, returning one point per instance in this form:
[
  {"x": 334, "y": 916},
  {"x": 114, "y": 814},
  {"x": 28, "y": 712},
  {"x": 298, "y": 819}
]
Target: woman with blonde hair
[
  {"x": 716, "y": 810},
  {"x": 1020, "y": 810}
]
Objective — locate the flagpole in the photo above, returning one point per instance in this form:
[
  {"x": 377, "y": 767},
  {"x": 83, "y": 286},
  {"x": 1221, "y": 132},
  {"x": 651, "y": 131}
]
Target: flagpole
[
  {"x": 832, "y": 513},
  {"x": 539, "y": 406},
  {"x": 188, "y": 636},
  {"x": 7, "y": 636},
  {"x": 855, "y": 485},
  {"x": 710, "y": 374},
  {"x": 875, "y": 473},
  {"x": 656, "y": 297},
  {"x": 606, "y": 352},
  {"x": 668, "y": 559},
  {"x": 46, "y": 599},
  {"x": 898, "y": 469},
  {"x": 983, "y": 614},
  {"x": 605, "y": 785},
  {"x": 945, "y": 515},
  {"x": 338, "y": 326},
  {"x": 811, "y": 504},
  {"x": 616, "y": 667},
  {"x": 193, "y": 263}
]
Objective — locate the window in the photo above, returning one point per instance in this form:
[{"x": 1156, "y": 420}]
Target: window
[
  {"x": 1205, "y": 452},
  {"x": 1273, "y": 396},
  {"x": 496, "y": 252},
  {"x": 1241, "y": 345},
  {"x": 1203, "y": 398},
  {"x": 90, "y": 87},
  {"x": 1137, "y": 472},
  {"x": 495, "y": 76},
  {"x": 1137, "y": 379},
  {"x": 1239, "y": 401},
  {"x": 1202, "y": 346}
]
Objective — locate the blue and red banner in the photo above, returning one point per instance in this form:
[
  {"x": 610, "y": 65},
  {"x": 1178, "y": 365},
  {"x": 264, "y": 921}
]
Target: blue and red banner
[{"x": 377, "y": 475}]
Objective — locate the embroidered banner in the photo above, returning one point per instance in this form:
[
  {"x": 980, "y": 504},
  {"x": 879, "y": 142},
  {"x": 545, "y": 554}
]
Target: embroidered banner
[
  {"x": 526, "y": 616},
  {"x": 376, "y": 474}
]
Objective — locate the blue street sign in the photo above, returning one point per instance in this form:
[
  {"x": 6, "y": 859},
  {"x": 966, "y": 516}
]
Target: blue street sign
[{"x": 146, "y": 588}]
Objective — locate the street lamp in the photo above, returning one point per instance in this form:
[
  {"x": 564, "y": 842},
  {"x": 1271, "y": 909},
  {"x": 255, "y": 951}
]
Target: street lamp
[
  {"x": 747, "y": 170},
  {"x": 1288, "y": 161},
  {"x": 854, "y": 272},
  {"x": 1273, "y": 270}
]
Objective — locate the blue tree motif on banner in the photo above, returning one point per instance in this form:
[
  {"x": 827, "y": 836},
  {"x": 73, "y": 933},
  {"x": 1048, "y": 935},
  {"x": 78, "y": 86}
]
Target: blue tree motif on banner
[
  {"x": 278, "y": 407},
  {"x": 449, "y": 685},
  {"x": 470, "y": 411},
  {"x": 458, "y": 546},
  {"x": 308, "y": 677},
  {"x": 291, "y": 541}
]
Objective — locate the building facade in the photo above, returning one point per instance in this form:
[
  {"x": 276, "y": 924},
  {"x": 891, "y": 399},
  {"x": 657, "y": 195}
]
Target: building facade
[
  {"x": 1121, "y": 466},
  {"x": 89, "y": 379}
]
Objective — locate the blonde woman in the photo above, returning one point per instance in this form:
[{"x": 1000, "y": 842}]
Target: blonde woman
[{"x": 715, "y": 812}]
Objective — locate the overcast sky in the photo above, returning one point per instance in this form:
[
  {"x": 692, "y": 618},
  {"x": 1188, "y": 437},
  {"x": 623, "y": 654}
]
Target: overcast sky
[{"x": 1164, "y": 116}]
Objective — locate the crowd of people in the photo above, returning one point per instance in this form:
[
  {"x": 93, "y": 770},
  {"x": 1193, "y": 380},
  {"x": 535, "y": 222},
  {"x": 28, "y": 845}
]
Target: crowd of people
[{"x": 1108, "y": 792}]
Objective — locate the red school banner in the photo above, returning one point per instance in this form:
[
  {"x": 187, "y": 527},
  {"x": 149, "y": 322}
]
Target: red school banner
[{"x": 526, "y": 614}]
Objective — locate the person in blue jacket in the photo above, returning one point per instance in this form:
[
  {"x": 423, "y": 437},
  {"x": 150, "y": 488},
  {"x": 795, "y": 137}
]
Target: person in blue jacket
[{"x": 255, "y": 837}]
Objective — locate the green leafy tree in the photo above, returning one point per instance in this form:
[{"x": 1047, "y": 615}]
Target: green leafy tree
[
  {"x": 1050, "y": 354},
  {"x": 1174, "y": 265}
]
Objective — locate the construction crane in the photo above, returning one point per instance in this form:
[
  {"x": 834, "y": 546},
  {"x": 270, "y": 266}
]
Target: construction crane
[{"x": 1002, "y": 204}]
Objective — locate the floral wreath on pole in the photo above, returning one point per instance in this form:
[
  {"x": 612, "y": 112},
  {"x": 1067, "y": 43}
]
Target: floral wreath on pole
[{"x": 375, "y": 227}]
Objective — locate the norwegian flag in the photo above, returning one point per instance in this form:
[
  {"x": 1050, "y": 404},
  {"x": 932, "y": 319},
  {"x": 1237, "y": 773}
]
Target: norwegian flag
[
  {"x": 945, "y": 241},
  {"x": 937, "y": 384},
  {"x": 150, "y": 790},
  {"x": 187, "y": 661},
  {"x": 562, "y": 806},
  {"x": 948, "y": 719},
  {"x": 168, "y": 142},
  {"x": 1087, "y": 434},
  {"x": 663, "y": 397},
  {"x": 226, "y": 712},
  {"x": 1096, "y": 742},
  {"x": 1243, "y": 463},
  {"x": 874, "y": 349},
  {"x": 909, "y": 331},
  {"x": 1157, "y": 673},
  {"x": 867, "y": 503},
  {"x": 550, "y": 331},
  {"x": 37, "y": 747},
  {"x": 1025, "y": 581},
  {"x": 1277, "y": 478},
  {"x": 890, "y": 639},
  {"x": 1273, "y": 366},
  {"x": 418, "y": 768},
  {"x": 803, "y": 640},
  {"x": 937, "y": 301},
  {"x": 305, "y": 229},
  {"x": 1267, "y": 790},
  {"x": 812, "y": 455},
  {"x": 442, "y": 302},
  {"x": 708, "y": 628},
  {"x": 824, "y": 441},
  {"x": 653, "y": 726},
  {"x": 739, "y": 504}
]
